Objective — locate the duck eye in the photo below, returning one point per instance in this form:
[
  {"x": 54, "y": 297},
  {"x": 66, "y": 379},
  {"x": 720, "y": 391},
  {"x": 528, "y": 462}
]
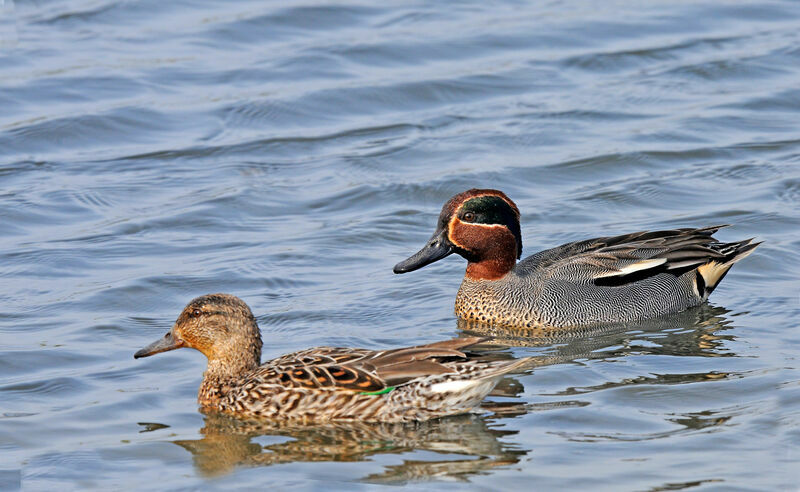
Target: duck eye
[
  {"x": 196, "y": 312},
  {"x": 468, "y": 217}
]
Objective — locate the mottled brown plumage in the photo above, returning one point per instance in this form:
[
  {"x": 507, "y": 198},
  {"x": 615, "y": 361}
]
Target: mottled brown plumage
[
  {"x": 325, "y": 383},
  {"x": 602, "y": 280}
]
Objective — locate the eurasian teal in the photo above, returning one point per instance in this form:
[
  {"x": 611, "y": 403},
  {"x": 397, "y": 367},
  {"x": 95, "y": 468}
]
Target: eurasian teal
[
  {"x": 325, "y": 383},
  {"x": 601, "y": 280}
]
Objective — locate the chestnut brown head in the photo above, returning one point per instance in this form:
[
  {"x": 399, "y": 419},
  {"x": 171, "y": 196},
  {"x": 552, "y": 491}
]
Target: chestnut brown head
[{"x": 482, "y": 225}]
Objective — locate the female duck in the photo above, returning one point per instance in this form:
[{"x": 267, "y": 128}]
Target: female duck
[
  {"x": 325, "y": 383},
  {"x": 601, "y": 280}
]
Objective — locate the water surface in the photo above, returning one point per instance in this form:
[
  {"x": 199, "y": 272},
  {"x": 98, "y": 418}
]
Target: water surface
[{"x": 291, "y": 154}]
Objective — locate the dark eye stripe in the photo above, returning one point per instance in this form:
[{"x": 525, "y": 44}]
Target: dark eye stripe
[{"x": 489, "y": 210}]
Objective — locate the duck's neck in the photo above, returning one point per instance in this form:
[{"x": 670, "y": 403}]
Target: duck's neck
[
  {"x": 492, "y": 252},
  {"x": 222, "y": 374},
  {"x": 490, "y": 269}
]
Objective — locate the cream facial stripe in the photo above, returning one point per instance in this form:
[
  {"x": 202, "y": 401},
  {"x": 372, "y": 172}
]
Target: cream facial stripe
[{"x": 455, "y": 218}]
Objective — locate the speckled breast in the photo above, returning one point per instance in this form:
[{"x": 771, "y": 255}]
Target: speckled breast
[{"x": 493, "y": 303}]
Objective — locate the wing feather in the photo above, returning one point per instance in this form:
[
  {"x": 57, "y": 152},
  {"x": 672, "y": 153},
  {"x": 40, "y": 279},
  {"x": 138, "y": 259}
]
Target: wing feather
[
  {"x": 362, "y": 370},
  {"x": 617, "y": 260}
]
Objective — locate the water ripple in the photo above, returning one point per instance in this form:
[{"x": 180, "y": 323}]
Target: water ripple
[{"x": 151, "y": 152}]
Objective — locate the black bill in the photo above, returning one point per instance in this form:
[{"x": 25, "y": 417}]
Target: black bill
[{"x": 437, "y": 248}]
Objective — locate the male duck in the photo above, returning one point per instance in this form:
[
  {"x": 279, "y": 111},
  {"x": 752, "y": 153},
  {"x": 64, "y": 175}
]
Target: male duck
[
  {"x": 325, "y": 383},
  {"x": 601, "y": 280}
]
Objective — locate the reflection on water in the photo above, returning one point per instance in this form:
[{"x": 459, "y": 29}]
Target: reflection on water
[
  {"x": 466, "y": 444},
  {"x": 698, "y": 332},
  {"x": 694, "y": 377},
  {"x": 469, "y": 444},
  {"x": 691, "y": 422},
  {"x": 154, "y": 151}
]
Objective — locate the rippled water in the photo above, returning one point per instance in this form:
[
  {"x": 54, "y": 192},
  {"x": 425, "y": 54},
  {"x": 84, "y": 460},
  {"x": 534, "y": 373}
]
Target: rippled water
[{"x": 154, "y": 151}]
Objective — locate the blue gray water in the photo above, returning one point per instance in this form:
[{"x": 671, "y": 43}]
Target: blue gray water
[{"x": 291, "y": 154}]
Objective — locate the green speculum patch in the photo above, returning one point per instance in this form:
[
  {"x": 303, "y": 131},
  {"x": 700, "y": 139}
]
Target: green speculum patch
[{"x": 381, "y": 392}]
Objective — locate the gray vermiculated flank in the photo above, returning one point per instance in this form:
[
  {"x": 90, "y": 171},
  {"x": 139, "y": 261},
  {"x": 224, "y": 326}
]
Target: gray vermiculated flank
[{"x": 558, "y": 286}]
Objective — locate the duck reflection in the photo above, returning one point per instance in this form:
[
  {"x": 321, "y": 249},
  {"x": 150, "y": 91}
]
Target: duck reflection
[
  {"x": 694, "y": 332},
  {"x": 698, "y": 332},
  {"x": 467, "y": 444},
  {"x": 471, "y": 444},
  {"x": 684, "y": 424}
]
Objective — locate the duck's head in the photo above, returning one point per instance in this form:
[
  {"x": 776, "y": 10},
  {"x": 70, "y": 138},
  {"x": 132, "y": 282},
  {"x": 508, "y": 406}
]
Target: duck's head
[
  {"x": 221, "y": 326},
  {"x": 480, "y": 225}
]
